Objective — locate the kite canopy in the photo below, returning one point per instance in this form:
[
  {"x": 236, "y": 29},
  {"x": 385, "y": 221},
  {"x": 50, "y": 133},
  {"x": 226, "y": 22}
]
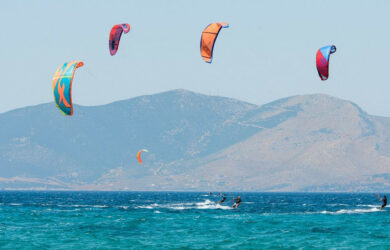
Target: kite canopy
[
  {"x": 207, "y": 41},
  {"x": 322, "y": 61},
  {"x": 62, "y": 86},
  {"x": 139, "y": 155},
  {"x": 115, "y": 36}
]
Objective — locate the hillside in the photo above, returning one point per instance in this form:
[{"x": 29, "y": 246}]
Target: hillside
[{"x": 197, "y": 142}]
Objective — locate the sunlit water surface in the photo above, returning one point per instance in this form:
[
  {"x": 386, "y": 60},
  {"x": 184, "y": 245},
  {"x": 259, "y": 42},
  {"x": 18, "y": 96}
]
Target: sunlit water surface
[{"x": 68, "y": 220}]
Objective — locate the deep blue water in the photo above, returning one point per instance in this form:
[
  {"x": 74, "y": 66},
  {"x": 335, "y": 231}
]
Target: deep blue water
[{"x": 69, "y": 220}]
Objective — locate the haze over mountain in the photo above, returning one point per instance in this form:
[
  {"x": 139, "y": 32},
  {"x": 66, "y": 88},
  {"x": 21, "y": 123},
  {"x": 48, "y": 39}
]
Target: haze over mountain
[{"x": 197, "y": 142}]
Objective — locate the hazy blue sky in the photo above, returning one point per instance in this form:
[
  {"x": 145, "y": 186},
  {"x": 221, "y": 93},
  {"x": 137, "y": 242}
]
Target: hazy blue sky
[{"x": 267, "y": 53}]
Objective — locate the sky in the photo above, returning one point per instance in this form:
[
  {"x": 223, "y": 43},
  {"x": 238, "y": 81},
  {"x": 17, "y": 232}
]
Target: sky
[{"x": 267, "y": 53}]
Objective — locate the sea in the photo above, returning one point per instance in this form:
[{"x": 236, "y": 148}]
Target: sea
[{"x": 191, "y": 220}]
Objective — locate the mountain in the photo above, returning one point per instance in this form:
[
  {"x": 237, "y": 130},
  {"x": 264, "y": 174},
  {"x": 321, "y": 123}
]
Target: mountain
[{"x": 197, "y": 142}]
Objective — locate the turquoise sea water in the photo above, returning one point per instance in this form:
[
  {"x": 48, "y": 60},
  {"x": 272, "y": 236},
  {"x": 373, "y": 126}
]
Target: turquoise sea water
[{"x": 170, "y": 220}]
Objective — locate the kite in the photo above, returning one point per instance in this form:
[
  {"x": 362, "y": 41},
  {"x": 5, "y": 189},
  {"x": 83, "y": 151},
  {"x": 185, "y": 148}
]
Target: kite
[
  {"x": 207, "y": 41},
  {"x": 322, "y": 61},
  {"x": 115, "y": 36},
  {"x": 139, "y": 155},
  {"x": 62, "y": 86}
]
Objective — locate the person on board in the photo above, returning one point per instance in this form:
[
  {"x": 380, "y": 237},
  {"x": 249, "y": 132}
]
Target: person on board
[
  {"x": 384, "y": 200},
  {"x": 237, "y": 202},
  {"x": 223, "y": 199}
]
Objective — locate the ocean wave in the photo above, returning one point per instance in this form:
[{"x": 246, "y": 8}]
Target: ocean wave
[
  {"x": 206, "y": 204},
  {"x": 151, "y": 206},
  {"x": 63, "y": 210},
  {"x": 338, "y": 204},
  {"x": 56, "y": 205},
  {"x": 367, "y": 206},
  {"x": 83, "y": 206},
  {"x": 352, "y": 211},
  {"x": 15, "y": 204},
  {"x": 99, "y": 206}
]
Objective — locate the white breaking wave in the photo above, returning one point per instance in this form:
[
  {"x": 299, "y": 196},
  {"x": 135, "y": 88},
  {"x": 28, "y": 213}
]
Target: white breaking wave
[
  {"x": 100, "y": 206},
  {"x": 206, "y": 204},
  {"x": 367, "y": 206},
  {"x": 81, "y": 205},
  {"x": 335, "y": 205},
  {"x": 151, "y": 206},
  {"x": 352, "y": 211}
]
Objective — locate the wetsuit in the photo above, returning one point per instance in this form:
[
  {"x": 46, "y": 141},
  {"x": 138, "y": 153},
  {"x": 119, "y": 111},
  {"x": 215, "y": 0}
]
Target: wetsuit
[
  {"x": 384, "y": 202},
  {"x": 223, "y": 199},
  {"x": 237, "y": 202}
]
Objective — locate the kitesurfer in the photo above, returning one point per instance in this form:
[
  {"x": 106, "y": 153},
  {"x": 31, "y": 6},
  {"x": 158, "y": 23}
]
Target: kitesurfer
[
  {"x": 223, "y": 199},
  {"x": 237, "y": 202},
  {"x": 384, "y": 200}
]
